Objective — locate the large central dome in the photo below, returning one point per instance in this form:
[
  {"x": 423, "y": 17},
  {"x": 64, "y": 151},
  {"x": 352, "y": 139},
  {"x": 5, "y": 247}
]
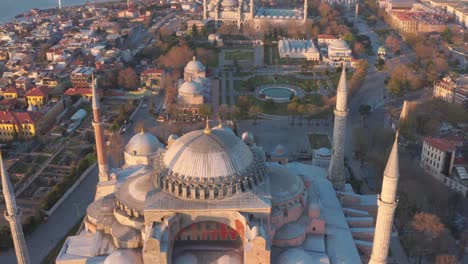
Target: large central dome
[
  {"x": 208, "y": 155},
  {"x": 209, "y": 164}
]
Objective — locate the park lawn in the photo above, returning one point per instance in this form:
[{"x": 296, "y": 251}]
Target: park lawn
[
  {"x": 239, "y": 55},
  {"x": 315, "y": 99},
  {"x": 335, "y": 77},
  {"x": 319, "y": 141}
]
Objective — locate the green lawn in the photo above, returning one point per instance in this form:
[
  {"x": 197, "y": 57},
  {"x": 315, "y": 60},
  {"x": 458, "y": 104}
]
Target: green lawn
[
  {"x": 238, "y": 55},
  {"x": 319, "y": 141},
  {"x": 252, "y": 83},
  {"x": 314, "y": 99}
]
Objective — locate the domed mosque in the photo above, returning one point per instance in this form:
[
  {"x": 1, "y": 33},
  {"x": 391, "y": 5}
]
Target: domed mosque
[
  {"x": 195, "y": 90},
  {"x": 211, "y": 197}
]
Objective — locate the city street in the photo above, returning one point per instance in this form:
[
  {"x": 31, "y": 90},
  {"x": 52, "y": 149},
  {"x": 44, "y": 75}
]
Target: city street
[{"x": 47, "y": 236}]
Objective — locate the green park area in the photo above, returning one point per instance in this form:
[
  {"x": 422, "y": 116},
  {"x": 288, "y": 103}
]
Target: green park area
[
  {"x": 319, "y": 141},
  {"x": 250, "y": 84},
  {"x": 239, "y": 55}
]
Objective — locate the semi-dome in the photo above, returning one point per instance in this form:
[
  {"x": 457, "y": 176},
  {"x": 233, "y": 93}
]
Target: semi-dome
[
  {"x": 284, "y": 185},
  {"x": 194, "y": 66},
  {"x": 123, "y": 256},
  {"x": 191, "y": 87},
  {"x": 339, "y": 44},
  {"x": 143, "y": 144},
  {"x": 203, "y": 155}
]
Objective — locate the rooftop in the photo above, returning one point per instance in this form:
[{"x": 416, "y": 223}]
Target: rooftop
[{"x": 440, "y": 144}]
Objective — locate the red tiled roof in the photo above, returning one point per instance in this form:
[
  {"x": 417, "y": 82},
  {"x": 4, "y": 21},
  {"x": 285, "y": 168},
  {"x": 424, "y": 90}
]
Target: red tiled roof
[
  {"x": 150, "y": 71},
  {"x": 11, "y": 90},
  {"x": 79, "y": 91},
  {"x": 7, "y": 117},
  {"x": 38, "y": 91},
  {"x": 27, "y": 117},
  {"x": 440, "y": 144}
]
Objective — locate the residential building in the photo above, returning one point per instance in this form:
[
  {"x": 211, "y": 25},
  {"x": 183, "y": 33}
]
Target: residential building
[
  {"x": 37, "y": 96},
  {"x": 418, "y": 22},
  {"x": 82, "y": 77},
  {"x": 152, "y": 78},
  {"x": 86, "y": 93},
  {"x": 437, "y": 157},
  {"x": 445, "y": 89},
  {"x": 21, "y": 125},
  {"x": 23, "y": 82}
]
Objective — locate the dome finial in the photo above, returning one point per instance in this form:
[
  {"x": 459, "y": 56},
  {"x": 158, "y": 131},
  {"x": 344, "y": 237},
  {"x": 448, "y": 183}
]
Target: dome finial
[
  {"x": 220, "y": 122},
  {"x": 207, "y": 128},
  {"x": 142, "y": 130},
  {"x": 194, "y": 58}
]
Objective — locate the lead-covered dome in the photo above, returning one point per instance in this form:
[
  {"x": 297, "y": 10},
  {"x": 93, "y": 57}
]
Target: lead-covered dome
[
  {"x": 194, "y": 66},
  {"x": 209, "y": 164},
  {"x": 339, "y": 44},
  {"x": 123, "y": 256},
  {"x": 143, "y": 144},
  {"x": 208, "y": 155},
  {"x": 191, "y": 87}
]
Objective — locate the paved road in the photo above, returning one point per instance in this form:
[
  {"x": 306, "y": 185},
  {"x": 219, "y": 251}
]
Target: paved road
[
  {"x": 232, "y": 92},
  {"x": 51, "y": 232},
  {"x": 223, "y": 87}
]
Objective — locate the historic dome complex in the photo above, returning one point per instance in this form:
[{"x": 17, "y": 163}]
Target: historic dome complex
[{"x": 211, "y": 197}]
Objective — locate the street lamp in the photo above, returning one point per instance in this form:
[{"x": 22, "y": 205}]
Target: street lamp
[{"x": 77, "y": 211}]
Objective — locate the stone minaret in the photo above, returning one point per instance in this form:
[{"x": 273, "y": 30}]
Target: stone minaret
[
  {"x": 99, "y": 137},
  {"x": 13, "y": 216},
  {"x": 387, "y": 202},
  {"x": 336, "y": 169},
  {"x": 356, "y": 14},
  {"x": 252, "y": 9},
  {"x": 305, "y": 10},
  {"x": 204, "y": 9},
  {"x": 60, "y": 4},
  {"x": 239, "y": 14}
]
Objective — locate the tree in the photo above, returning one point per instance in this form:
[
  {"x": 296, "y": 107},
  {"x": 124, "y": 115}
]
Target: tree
[
  {"x": 360, "y": 144},
  {"x": 253, "y": 112},
  {"x": 364, "y": 111},
  {"x": 115, "y": 146},
  {"x": 127, "y": 79},
  {"x": 177, "y": 57},
  {"x": 392, "y": 43},
  {"x": 234, "y": 111},
  {"x": 204, "y": 110},
  {"x": 429, "y": 224},
  {"x": 358, "y": 48},
  {"x": 223, "y": 110},
  {"x": 446, "y": 259}
]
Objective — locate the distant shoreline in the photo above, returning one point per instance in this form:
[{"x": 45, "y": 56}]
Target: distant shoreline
[{"x": 47, "y": 9}]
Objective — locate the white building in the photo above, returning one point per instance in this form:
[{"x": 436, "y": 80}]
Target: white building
[
  {"x": 298, "y": 49},
  {"x": 438, "y": 156},
  {"x": 339, "y": 53}
]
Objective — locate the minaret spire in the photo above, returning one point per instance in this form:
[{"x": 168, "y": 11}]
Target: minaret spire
[
  {"x": 13, "y": 216},
  {"x": 336, "y": 169},
  {"x": 387, "y": 203},
  {"x": 305, "y": 10},
  {"x": 99, "y": 136},
  {"x": 204, "y": 10}
]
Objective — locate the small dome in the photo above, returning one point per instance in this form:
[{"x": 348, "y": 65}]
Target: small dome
[
  {"x": 248, "y": 138},
  {"x": 294, "y": 256},
  {"x": 324, "y": 152},
  {"x": 279, "y": 151},
  {"x": 284, "y": 184},
  {"x": 186, "y": 258},
  {"x": 143, "y": 144},
  {"x": 194, "y": 66},
  {"x": 229, "y": 259},
  {"x": 339, "y": 44},
  {"x": 382, "y": 49},
  {"x": 212, "y": 154},
  {"x": 191, "y": 87},
  {"x": 223, "y": 128},
  {"x": 123, "y": 256}
]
